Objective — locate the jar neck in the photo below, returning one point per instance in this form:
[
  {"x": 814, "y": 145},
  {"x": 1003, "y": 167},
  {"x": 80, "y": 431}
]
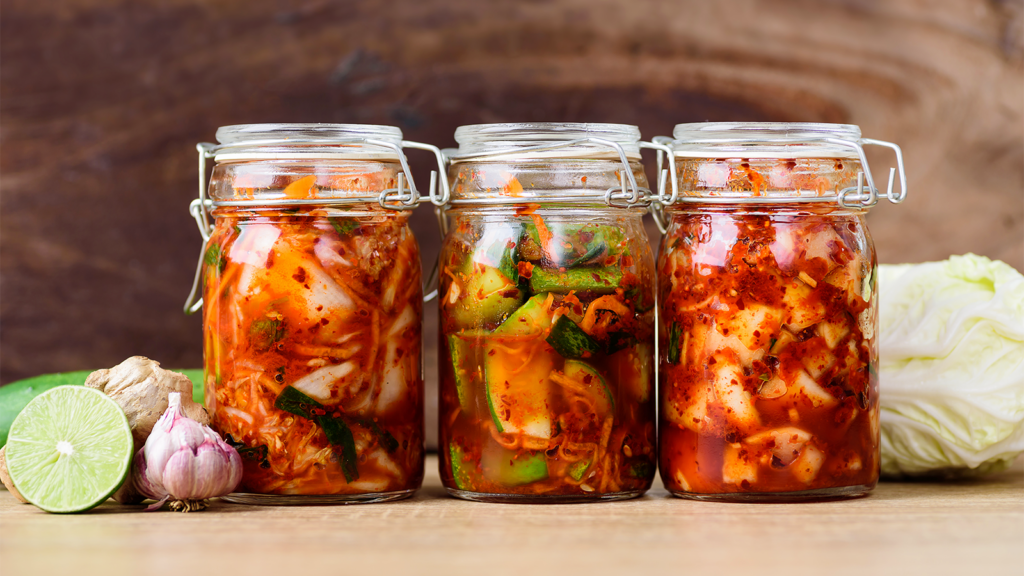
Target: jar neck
[
  {"x": 505, "y": 212},
  {"x": 790, "y": 209},
  {"x": 362, "y": 212},
  {"x": 303, "y": 180},
  {"x": 742, "y": 178},
  {"x": 583, "y": 181}
]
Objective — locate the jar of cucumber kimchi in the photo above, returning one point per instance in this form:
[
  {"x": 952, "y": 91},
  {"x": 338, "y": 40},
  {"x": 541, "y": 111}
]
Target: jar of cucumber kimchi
[
  {"x": 312, "y": 308},
  {"x": 768, "y": 313},
  {"x": 546, "y": 316}
]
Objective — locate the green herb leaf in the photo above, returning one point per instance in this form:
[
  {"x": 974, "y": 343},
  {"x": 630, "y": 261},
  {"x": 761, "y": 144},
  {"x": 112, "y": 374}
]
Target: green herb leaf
[
  {"x": 265, "y": 333},
  {"x": 387, "y": 440},
  {"x": 641, "y": 469},
  {"x": 344, "y": 225},
  {"x": 674, "y": 334},
  {"x": 294, "y": 402},
  {"x": 764, "y": 377},
  {"x": 254, "y": 453},
  {"x": 339, "y": 435},
  {"x": 215, "y": 257},
  {"x": 620, "y": 340},
  {"x": 772, "y": 343}
]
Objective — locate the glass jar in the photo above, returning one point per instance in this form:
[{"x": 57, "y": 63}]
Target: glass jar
[
  {"x": 312, "y": 310},
  {"x": 768, "y": 313},
  {"x": 546, "y": 316}
]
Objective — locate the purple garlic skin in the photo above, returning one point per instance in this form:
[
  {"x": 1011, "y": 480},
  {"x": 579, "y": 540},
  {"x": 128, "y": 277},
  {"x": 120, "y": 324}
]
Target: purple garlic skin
[{"x": 185, "y": 462}]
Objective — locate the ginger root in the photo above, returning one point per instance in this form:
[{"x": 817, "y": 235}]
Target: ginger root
[
  {"x": 140, "y": 386},
  {"x": 6, "y": 478}
]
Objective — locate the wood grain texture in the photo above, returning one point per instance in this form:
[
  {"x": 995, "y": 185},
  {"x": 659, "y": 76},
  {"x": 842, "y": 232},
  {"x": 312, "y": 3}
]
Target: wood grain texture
[
  {"x": 101, "y": 103},
  {"x": 933, "y": 529}
]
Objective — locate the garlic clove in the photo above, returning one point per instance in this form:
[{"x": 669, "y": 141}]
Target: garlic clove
[
  {"x": 212, "y": 471},
  {"x": 179, "y": 477}
]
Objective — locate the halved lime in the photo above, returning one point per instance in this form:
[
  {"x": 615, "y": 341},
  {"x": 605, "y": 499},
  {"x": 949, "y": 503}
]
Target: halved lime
[{"x": 69, "y": 449}]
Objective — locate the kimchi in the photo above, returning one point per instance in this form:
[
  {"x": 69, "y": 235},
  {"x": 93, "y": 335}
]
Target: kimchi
[
  {"x": 768, "y": 354},
  {"x": 312, "y": 321},
  {"x": 546, "y": 369}
]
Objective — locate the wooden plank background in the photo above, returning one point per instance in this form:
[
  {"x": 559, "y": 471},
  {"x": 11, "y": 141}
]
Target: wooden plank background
[{"x": 101, "y": 103}]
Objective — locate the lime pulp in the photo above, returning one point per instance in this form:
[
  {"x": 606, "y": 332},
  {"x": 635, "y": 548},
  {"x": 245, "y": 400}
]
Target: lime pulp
[{"x": 69, "y": 449}]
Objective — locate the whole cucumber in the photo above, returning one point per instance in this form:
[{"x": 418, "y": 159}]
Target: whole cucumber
[{"x": 16, "y": 395}]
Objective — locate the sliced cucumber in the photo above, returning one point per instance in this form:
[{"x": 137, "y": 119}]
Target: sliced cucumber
[
  {"x": 487, "y": 297},
  {"x": 532, "y": 317},
  {"x": 602, "y": 280},
  {"x": 517, "y": 362},
  {"x": 460, "y": 468},
  {"x": 590, "y": 377},
  {"x": 466, "y": 365},
  {"x": 578, "y": 469},
  {"x": 586, "y": 242},
  {"x": 516, "y": 371},
  {"x": 510, "y": 468},
  {"x": 497, "y": 248},
  {"x": 569, "y": 340}
]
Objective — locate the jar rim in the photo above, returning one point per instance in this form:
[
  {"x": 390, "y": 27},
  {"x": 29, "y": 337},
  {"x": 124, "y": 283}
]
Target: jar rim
[
  {"x": 287, "y": 141},
  {"x": 520, "y": 140},
  {"x": 765, "y": 140}
]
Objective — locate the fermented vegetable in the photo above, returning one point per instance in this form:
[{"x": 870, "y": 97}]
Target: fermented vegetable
[
  {"x": 312, "y": 347},
  {"x": 769, "y": 361},
  {"x": 547, "y": 331}
]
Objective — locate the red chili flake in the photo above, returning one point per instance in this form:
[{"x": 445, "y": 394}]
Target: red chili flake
[
  {"x": 712, "y": 361},
  {"x": 324, "y": 321},
  {"x": 300, "y": 275},
  {"x": 525, "y": 269},
  {"x": 320, "y": 308},
  {"x": 270, "y": 260}
]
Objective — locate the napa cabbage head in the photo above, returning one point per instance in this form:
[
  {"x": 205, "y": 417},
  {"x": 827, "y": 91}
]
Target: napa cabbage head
[{"x": 951, "y": 345}]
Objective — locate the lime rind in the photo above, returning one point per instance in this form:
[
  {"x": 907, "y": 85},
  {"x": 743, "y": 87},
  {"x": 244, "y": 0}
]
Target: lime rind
[{"x": 69, "y": 449}]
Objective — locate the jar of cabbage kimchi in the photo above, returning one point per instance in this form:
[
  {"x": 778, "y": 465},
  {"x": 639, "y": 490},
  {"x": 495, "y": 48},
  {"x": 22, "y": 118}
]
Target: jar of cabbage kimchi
[
  {"x": 312, "y": 302},
  {"x": 546, "y": 316},
  {"x": 768, "y": 313}
]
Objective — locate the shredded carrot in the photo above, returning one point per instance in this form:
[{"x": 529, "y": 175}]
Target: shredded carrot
[
  {"x": 302, "y": 188},
  {"x": 546, "y": 238}
]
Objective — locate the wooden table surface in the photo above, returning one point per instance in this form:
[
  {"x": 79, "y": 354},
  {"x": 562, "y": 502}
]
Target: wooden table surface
[{"x": 962, "y": 528}]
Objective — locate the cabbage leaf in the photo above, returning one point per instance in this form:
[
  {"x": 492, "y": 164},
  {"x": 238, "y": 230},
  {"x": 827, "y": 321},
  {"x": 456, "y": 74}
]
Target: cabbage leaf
[{"x": 951, "y": 344}]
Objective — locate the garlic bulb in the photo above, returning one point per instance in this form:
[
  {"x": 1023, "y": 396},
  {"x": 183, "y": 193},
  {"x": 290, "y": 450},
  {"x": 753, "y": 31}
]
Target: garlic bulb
[{"x": 185, "y": 462}]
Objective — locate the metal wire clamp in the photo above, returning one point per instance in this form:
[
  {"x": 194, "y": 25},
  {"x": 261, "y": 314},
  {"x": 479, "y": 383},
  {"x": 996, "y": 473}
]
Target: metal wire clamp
[
  {"x": 398, "y": 198},
  {"x": 852, "y": 197}
]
